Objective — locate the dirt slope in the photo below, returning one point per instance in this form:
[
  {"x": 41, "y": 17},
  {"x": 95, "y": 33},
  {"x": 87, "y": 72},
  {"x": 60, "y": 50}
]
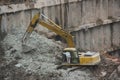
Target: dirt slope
[{"x": 35, "y": 60}]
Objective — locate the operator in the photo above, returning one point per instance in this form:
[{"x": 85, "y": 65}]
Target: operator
[{"x": 68, "y": 56}]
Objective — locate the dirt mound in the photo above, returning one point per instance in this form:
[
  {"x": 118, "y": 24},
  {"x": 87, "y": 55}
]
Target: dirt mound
[
  {"x": 35, "y": 60},
  {"x": 36, "y": 57}
]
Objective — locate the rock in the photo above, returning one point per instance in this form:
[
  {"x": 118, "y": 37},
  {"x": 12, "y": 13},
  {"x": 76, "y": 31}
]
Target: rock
[
  {"x": 18, "y": 65},
  {"x": 18, "y": 56},
  {"x": 103, "y": 73},
  {"x": 27, "y": 49}
]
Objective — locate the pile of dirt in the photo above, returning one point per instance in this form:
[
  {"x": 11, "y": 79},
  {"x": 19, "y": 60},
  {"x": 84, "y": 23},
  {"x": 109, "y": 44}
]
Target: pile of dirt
[
  {"x": 106, "y": 70},
  {"x": 35, "y": 58}
]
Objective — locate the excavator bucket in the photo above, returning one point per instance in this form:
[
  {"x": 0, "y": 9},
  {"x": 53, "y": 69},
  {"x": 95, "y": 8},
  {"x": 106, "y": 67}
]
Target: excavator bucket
[{"x": 31, "y": 27}]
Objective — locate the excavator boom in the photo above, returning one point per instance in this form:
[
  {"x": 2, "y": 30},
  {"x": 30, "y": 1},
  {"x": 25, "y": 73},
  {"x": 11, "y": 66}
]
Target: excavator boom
[{"x": 49, "y": 25}]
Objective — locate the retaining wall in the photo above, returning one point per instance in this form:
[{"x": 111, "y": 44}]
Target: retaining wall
[
  {"x": 102, "y": 37},
  {"x": 97, "y": 16}
]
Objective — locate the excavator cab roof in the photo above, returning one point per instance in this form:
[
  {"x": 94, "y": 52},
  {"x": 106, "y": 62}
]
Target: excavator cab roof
[{"x": 70, "y": 49}]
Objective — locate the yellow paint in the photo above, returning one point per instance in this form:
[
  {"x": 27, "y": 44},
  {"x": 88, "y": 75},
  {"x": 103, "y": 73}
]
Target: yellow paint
[{"x": 89, "y": 60}]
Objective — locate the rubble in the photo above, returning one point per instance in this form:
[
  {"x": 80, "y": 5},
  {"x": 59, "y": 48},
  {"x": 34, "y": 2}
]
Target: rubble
[
  {"x": 37, "y": 57},
  {"x": 36, "y": 60}
]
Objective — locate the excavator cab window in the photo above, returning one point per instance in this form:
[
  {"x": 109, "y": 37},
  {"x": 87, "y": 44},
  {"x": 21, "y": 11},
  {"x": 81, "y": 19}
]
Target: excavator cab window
[
  {"x": 75, "y": 57},
  {"x": 66, "y": 57}
]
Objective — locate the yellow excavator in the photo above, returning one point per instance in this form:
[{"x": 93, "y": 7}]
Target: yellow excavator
[{"x": 76, "y": 58}]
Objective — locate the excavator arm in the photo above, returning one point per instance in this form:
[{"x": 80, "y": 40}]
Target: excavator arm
[{"x": 49, "y": 25}]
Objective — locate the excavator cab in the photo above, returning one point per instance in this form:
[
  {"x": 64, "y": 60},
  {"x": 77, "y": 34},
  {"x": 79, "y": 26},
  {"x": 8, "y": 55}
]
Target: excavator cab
[
  {"x": 81, "y": 58},
  {"x": 74, "y": 58}
]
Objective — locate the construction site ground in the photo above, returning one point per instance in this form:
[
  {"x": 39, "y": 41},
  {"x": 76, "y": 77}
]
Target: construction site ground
[{"x": 40, "y": 56}]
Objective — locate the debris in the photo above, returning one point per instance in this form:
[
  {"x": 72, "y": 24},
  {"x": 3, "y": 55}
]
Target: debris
[
  {"x": 18, "y": 65},
  {"x": 113, "y": 76},
  {"x": 37, "y": 56},
  {"x": 103, "y": 73}
]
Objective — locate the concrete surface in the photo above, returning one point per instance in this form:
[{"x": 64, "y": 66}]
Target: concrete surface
[
  {"x": 104, "y": 37},
  {"x": 71, "y": 13}
]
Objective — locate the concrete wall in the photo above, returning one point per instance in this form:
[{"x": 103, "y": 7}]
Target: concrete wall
[
  {"x": 72, "y": 15},
  {"x": 103, "y": 37}
]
